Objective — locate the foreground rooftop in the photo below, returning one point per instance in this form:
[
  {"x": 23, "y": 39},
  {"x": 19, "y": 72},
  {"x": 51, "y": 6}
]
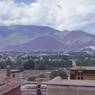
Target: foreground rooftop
[
  {"x": 78, "y": 83},
  {"x": 8, "y": 84}
]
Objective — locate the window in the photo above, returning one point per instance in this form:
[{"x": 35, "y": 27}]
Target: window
[{"x": 80, "y": 75}]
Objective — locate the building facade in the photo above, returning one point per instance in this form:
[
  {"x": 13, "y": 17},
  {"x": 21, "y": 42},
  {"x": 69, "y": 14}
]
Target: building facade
[{"x": 82, "y": 73}]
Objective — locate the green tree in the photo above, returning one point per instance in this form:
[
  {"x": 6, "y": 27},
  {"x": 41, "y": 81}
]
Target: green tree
[
  {"x": 60, "y": 73},
  {"x": 32, "y": 78},
  {"x": 29, "y": 64}
]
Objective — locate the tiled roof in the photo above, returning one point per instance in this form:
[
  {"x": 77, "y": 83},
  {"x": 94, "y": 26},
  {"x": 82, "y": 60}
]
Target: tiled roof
[{"x": 7, "y": 84}]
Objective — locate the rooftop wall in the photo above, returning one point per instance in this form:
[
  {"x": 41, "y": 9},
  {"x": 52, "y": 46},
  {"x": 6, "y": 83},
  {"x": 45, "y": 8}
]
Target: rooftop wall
[
  {"x": 70, "y": 90},
  {"x": 71, "y": 87},
  {"x": 10, "y": 86}
]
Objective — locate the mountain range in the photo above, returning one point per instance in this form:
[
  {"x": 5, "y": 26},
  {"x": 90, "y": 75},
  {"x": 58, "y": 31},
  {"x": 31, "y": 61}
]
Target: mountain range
[{"x": 43, "y": 38}]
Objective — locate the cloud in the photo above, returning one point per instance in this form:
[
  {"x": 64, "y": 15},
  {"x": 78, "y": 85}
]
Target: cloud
[{"x": 59, "y": 14}]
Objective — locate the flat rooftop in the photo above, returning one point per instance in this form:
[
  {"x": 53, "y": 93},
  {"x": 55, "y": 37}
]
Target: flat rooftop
[
  {"x": 77, "y": 83},
  {"x": 83, "y": 68},
  {"x": 7, "y": 84}
]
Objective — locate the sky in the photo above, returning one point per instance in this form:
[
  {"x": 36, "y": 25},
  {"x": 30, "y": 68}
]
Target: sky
[
  {"x": 25, "y": 1},
  {"x": 58, "y": 14}
]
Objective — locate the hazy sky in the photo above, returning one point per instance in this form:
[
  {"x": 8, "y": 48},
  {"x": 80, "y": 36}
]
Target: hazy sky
[{"x": 59, "y": 14}]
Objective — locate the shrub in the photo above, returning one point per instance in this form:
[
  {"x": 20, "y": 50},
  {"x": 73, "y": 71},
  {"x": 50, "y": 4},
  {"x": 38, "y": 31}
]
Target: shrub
[
  {"x": 42, "y": 76},
  {"x": 32, "y": 78},
  {"x": 60, "y": 73}
]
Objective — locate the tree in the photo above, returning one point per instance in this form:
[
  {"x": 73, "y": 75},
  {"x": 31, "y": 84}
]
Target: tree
[
  {"x": 42, "y": 76},
  {"x": 29, "y": 65},
  {"x": 32, "y": 78},
  {"x": 60, "y": 73}
]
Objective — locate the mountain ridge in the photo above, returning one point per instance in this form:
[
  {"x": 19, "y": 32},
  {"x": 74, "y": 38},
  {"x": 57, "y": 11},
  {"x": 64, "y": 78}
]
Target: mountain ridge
[
  {"x": 43, "y": 43},
  {"x": 66, "y": 40}
]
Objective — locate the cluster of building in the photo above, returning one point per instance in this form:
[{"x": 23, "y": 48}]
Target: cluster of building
[{"x": 81, "y": 81}]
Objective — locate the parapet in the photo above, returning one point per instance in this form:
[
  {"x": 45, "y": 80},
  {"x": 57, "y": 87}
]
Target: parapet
[{"x": 71, "y": 87}]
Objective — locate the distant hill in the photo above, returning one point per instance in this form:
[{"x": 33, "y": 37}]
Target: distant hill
[
  {"x": 76, "y": 40},
  {"x": 20, "y": 34},
  {"x": 28, "y": 38},
  {"x": 43, "y": 43},
  {"x": 25, "y": 29}
]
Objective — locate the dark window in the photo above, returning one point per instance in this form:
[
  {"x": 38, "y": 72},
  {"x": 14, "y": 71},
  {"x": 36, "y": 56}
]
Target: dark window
[{"x": 80, "y": 75}]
